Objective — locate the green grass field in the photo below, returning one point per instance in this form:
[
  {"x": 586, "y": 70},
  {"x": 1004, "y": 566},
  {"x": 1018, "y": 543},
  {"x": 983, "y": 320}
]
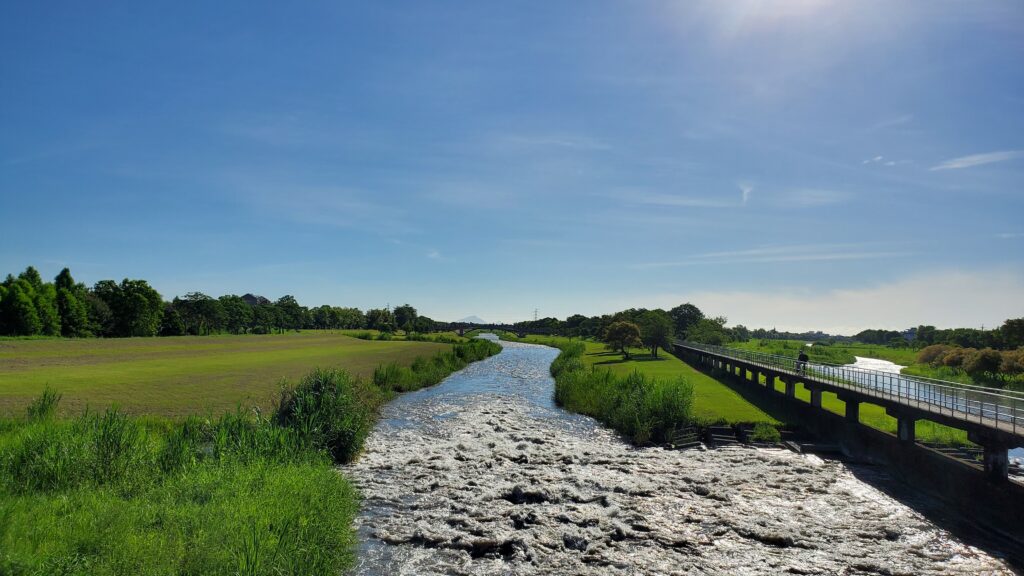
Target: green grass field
[
  {"x": 182, "y": 375},
  {"x": 713, "y": 401}
]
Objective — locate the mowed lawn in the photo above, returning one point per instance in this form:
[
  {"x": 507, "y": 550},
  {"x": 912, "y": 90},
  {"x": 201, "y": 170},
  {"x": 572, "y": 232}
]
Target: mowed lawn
[
  {"x": 713, "y": 402},
  {"x": 182, "y": 375}
]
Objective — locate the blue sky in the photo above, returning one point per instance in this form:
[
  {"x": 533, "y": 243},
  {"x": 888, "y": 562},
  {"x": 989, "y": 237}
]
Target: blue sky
[{"x": 799, "y": 164}]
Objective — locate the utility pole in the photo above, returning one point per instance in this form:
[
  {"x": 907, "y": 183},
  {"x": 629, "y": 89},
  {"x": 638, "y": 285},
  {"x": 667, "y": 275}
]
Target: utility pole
[{"x": 534, "y": 314}]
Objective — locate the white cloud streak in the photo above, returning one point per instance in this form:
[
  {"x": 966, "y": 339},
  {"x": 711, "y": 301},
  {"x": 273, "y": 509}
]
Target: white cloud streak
[
  {"x": 775, "y": 254},
  {"x": 978, "y": 160}
]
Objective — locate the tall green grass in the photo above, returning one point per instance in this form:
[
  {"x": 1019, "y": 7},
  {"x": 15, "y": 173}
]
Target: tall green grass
[
  {"x": 106, "y": 493},
  {"x": 646, "y": 410}
]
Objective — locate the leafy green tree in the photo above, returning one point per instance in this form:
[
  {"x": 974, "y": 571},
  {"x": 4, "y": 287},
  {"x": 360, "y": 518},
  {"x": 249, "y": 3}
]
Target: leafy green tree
[
  {"x": 18, "y": 312},
  {"x": 32, "y": 276},
  {"x": 349, "y": 318},
  {"x": 265, "y": 319},
  {"x": 171, "y": 323},
  {"x": 621, "y": 335},
  {"x": 291, "y": 314},
  {"x": 684, "y": 317},
  {"x": 405, "y": 316},
  {"x": 64, "y": 280},
  {"x": 237, "y": 313},
  {"x": 74, "y": 315},
  {"x": 201, "y": 314},
  {"x": 424, "y": 324},
  {"x": 709, "y": 331},
  {"x": 136, "y": 308},
  {"x": 656, "y": 330},
  {"x": 45, "y": 300},
  {"x": 380, "y": 319},
  {"x": 1012, "y": 333}
]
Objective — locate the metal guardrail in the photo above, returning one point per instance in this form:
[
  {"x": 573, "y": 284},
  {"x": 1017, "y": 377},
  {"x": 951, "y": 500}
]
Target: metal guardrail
[{"x": 1003, "y": 410}]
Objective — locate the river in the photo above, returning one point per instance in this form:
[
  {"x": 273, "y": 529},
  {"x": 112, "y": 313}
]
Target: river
[{"x": 482, "y": 474}]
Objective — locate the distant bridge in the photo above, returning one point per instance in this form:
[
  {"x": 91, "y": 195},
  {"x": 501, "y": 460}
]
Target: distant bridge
[{"x": 992, "y": 418}]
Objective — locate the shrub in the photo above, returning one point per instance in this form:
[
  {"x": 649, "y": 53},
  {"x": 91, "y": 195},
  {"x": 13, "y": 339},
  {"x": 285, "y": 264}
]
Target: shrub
[
  {"x": 955, "y": 357},
  {"x": 644, "y": 409},
  {"x": 765, "y": 432},
  {"x": 933, "y": 354},
  {"x": 330, "y": 410},
  {"x": 984, "y": 361}
]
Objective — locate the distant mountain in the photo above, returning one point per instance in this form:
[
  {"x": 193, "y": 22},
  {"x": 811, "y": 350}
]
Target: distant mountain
[{"x": 473, "y": 320}]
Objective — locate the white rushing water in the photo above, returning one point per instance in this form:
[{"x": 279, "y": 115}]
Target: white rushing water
[
  {"x": 483, "y": 475},
  {"x": 876, "y": 364}
]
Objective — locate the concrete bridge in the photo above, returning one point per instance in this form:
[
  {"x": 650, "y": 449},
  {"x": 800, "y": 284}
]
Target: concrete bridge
[{"x": 992, "y": 418}]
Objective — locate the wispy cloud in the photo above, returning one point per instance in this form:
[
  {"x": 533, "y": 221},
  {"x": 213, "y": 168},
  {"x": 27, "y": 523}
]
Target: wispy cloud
[
  {"x": 883, "y": 162},
  {"x": 687, "y": 201},
  {"x": 808, "y": 197},
  {"x": 777, "y": 254},
  {"x": 745, "y": 190},
  {"x": 434, "y": 255},
  {"x": 1010, "y": 235},
  {"x": 978, "y": 160}
]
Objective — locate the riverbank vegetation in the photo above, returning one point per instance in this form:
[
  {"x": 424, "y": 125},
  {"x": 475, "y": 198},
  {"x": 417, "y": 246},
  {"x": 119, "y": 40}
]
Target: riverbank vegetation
[
  {"x": 108, "y": 493},
  {"x": 645, "y": 409}
]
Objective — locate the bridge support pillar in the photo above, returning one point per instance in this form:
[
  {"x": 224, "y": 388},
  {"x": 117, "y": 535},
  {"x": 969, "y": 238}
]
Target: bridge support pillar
[
  {"x": 815, "y": 396},
  {"x": 790, "y": 387},
  {"x": 756, "y": 376},
  {"x": 904, "y": 426},
  {"x": 852, "y": 410},
  {"x": 741, "y": 372},
  {"x": 996, "y": 456}
]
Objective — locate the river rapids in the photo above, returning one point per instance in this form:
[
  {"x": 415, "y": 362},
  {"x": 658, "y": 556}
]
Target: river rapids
[{"x": 482, "y": 474}]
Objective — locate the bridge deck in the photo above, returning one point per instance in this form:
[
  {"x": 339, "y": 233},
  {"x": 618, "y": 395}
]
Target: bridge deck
[{"x": 969, "y": 407}]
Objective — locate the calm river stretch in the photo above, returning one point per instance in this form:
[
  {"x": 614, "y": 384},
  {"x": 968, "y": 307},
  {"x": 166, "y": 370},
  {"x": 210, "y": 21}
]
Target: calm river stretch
[{"x": 482, "y": 474}]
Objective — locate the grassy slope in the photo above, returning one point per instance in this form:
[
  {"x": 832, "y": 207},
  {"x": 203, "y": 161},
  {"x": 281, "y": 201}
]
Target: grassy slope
[
  {"x": 182, "y": 375},
  {"x": 712, "y": 401}
]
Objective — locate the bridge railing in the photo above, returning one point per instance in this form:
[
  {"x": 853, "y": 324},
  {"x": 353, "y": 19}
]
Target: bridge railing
[{"x": 1004, "y": 408}]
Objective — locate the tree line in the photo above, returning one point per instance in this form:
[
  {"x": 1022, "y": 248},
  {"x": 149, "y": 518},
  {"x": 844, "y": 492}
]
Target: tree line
[
  {"x": 29, "y": 306},
  {"x": 1008, "y": 336}
]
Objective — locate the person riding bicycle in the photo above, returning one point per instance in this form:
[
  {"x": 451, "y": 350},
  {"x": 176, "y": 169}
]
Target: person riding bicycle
[{"x": 801, "y": 362}]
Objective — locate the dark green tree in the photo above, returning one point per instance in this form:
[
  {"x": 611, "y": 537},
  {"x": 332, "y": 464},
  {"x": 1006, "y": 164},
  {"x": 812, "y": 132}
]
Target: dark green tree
[
  {"x": 171, "y": 323},
  {"x": 238, "y": 314},
  {"x": 74, "y": 315},
  {"x": 18, "y": 312},
  {"x": 290, "y": 313},
  {"x": 684, "y": 317},
  {"x": 380, "y": 319},
  {"x": 656, "y": 330},
  {"x": 405, "y": 317}
]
